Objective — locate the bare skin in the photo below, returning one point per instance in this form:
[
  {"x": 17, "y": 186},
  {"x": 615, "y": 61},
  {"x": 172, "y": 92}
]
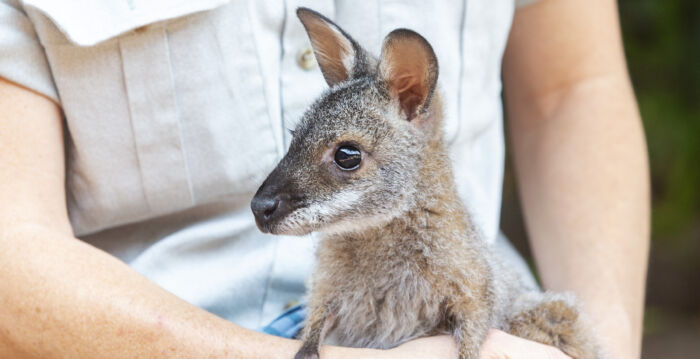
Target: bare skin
[
  {"x": 582, "y": 169},
  {"x": 498, "y": 345}
]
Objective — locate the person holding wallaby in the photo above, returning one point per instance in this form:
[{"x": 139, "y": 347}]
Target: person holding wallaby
[{"x": 134, "y": 134}]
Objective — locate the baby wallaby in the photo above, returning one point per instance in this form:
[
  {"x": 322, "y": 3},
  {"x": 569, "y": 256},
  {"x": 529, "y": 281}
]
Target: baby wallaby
[{"x": 399, "y": 257}]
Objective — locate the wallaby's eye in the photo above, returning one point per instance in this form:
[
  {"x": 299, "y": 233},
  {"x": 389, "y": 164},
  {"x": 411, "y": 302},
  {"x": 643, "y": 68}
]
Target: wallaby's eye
[{"x": 348, "y": 157}]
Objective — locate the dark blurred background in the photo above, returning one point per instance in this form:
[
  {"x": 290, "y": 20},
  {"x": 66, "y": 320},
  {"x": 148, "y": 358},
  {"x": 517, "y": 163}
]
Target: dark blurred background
[{"x": 662, "y": 44}]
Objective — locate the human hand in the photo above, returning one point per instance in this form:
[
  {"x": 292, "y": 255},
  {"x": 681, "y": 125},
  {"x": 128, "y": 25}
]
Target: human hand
[
  {"x": 501, "y": 345},
  {"x": 498, "y": 345},
  {"x": 437, "y": 347}
]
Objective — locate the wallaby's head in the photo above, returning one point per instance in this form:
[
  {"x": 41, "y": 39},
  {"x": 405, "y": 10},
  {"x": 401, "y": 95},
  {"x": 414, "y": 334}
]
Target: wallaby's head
[{"x": 355, "y": 156}]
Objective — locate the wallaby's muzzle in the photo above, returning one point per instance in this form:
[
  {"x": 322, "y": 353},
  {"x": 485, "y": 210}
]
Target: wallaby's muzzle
[{"x": 271, "y": 204}]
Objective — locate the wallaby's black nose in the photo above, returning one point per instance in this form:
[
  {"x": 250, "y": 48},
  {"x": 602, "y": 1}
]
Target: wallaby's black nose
[
  {"x": 269, "y": 208},
  {"x": 273, "y": 202},
  {"x": 264, "y": 208}
]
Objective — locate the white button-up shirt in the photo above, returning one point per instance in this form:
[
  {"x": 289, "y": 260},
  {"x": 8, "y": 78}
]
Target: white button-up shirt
[{"x": 176, "y": 111}]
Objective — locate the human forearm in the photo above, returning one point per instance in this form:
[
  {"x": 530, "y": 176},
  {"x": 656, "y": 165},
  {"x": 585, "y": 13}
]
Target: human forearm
[
  {"x": 581, "y": 161},
  {"x": 582, "y": 170},
  {"x": 61, "y": 298}
]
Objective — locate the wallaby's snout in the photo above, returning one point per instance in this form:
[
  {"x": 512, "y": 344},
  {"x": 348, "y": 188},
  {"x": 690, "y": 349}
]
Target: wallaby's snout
[{"x": 271, "y": 203}]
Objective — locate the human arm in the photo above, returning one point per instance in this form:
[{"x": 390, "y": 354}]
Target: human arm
[
  {"x": 581, "y": 161},
  {"x": 62, "y": 298}
]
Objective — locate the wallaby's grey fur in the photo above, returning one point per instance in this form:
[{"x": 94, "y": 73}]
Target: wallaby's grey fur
[{"x": 399, "y": 258}]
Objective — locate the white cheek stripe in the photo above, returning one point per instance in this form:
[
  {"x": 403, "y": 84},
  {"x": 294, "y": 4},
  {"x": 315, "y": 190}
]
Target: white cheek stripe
[{"x": 316, "y": 213}]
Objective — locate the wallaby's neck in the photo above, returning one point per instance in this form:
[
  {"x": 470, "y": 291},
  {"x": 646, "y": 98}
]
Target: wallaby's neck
[{"x": 437, "y": 192}]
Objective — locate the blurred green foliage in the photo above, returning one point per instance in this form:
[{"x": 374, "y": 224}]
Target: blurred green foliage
[{"x": 662, "y": 44}]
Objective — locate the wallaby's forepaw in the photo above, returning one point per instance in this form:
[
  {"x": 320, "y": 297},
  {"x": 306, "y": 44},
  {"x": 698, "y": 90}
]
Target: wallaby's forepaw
[
  {"x": 555, "y": 321},
  {"x": 307, "y": 353}
]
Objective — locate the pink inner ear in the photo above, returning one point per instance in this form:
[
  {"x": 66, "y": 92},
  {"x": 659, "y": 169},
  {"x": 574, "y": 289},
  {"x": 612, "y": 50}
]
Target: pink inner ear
[
  {"x": 410, "y": 90},
  {"x": 406, "y": 66},
  {"x": 410, "y": 94}
]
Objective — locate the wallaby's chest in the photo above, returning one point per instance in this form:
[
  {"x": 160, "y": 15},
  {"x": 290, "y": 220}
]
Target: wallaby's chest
[
  {"x": 382, "y": 296},
  {"x": 385, "y": 311}
]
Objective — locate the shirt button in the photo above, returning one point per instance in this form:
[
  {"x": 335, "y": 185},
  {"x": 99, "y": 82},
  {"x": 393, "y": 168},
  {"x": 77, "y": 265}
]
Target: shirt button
[{"x": 306, "y": 59}]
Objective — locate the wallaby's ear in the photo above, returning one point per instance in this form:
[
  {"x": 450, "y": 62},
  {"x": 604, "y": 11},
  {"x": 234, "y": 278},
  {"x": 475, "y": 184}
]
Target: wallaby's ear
[
  {"x": 337, "y": 54},
  {"x": 409, "y": 68}
]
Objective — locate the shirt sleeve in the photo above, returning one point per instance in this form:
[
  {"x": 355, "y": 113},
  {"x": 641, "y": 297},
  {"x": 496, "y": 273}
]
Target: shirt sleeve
[
  {"x": 22, "y": 57},
  {"x": 521, "y": 3}
]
